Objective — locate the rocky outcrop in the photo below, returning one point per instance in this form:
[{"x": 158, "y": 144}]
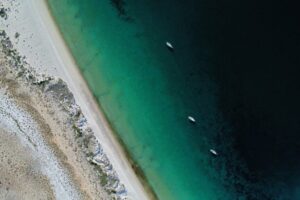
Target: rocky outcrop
[{"x": 3, "y": 13}]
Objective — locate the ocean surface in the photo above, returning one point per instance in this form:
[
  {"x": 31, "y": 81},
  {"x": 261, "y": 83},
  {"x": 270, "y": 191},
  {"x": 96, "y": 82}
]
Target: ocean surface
[{"x": 235, "y": 69}]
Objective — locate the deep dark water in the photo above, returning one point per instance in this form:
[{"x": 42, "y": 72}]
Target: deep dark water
[
  {"x": 257, "y": 71},
  {"x": 241, "y": 54},
  {"x": 250, "y": 49}
]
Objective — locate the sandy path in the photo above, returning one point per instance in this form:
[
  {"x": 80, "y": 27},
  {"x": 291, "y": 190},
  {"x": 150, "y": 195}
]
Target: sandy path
[
  {"x": 29, "y": 168},
  {"x": 19, "y": 177}
]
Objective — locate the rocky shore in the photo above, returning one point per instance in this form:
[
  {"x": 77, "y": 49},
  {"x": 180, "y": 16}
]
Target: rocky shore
[{"x": 71, "y": 138}]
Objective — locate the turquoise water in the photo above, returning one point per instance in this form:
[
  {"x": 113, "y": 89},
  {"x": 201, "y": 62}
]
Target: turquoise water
[
  {"x": 147, "y": 92},
  {"x": 131, "y": 73}
]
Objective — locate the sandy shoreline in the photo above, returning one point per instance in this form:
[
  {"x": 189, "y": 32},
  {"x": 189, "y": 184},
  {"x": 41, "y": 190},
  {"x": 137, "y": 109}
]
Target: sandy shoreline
[{"x": 46, "y": 51}]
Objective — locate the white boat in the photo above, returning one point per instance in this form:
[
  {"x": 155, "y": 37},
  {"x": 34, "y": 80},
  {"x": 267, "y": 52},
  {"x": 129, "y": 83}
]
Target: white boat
[
  {"x": 191, "y": 119},
  {"x": 214, "y": 152},
  {"x": 169, "y": 45}
]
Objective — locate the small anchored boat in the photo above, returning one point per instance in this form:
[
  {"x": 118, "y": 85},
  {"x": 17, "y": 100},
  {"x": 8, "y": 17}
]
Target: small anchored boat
[
  {"x": 170, "y": 46},
  {"x": 214, "y": 152},
  {"x": 191, "y": 119}
]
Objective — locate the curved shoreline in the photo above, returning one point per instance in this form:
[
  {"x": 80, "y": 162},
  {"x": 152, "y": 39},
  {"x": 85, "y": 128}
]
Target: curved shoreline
[{"x": 103, "y": 132}]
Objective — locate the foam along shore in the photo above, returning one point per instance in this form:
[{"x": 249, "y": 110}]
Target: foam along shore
[{"x": 40, "y": 42}]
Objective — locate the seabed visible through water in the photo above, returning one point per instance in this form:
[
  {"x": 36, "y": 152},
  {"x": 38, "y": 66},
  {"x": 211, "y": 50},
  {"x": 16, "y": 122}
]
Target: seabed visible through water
[{"x": 234, "y": 68}]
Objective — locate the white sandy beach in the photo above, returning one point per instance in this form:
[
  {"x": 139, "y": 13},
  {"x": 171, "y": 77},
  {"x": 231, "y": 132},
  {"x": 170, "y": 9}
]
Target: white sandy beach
[{"x": 45, "y": 51}]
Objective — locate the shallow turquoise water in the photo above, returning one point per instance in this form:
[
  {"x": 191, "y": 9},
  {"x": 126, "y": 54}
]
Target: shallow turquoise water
[
  {"x": 131, "y": 72},
  {"x": 147, "y": 92}
]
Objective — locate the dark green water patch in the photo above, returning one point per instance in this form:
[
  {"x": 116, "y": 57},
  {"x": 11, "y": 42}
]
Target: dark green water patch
[
  {"x": 120, "y": 6},
  {"x": 258, "y": 76}
]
